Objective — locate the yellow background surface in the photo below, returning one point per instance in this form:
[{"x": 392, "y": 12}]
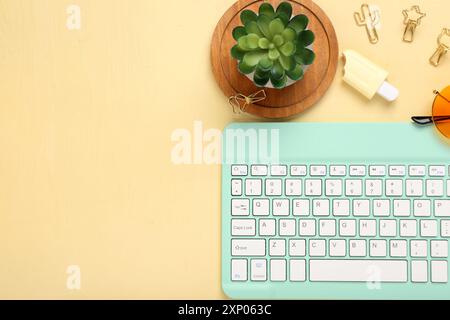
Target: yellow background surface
[{"x": 86, "y": 118}]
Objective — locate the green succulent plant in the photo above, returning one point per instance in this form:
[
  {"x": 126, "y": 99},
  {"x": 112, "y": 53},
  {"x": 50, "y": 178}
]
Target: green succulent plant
[{"x": 273, "y": 45}]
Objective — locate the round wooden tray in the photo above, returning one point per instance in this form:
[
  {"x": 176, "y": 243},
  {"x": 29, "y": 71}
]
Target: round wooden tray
[{"x": 291, "y": 100}]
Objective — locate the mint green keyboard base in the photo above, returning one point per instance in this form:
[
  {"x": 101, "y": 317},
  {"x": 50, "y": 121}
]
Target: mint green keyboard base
[{"x": 337, "y": 143}]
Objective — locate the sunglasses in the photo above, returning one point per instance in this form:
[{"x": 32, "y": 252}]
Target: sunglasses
[{"x": 440, "y": 113}]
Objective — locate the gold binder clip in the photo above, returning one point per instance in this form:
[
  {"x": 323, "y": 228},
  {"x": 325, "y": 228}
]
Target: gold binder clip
[
  {"x": 412, "y": 19},
  {"x": 369, "y": 18},
  {"x": 443, "y": 47}
]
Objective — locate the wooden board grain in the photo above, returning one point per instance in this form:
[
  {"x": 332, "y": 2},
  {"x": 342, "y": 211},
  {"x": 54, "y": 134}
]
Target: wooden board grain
[{"x": 291, "y": 100}]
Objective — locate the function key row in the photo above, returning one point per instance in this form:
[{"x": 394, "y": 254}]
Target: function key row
[{"x": 340, "y": 170}]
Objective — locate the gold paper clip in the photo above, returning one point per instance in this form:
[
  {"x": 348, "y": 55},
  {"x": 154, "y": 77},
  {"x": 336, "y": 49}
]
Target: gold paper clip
[
  {"x": 412, "y": 19},
  {"x": 240, "y": 102},
  {"x": 443, "y": 47},
  {"x": 368, "y": 18}
]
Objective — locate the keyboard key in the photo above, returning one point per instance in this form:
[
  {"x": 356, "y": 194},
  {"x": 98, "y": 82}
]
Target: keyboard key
[
  {"x": 347, "y": 228},
  {"x": 439, "y": 271},
  {"x": 377, "y": 171},
  {"x": 358, "y": 270},
  {"x": 436, "y": 171},
  {"x": 435, "y": 188},
  {"x": 248, "y": 247},
  {"x": 361, "y": 208},
  {"x": 258, "y": 270},
  {"x": 277, "y": 270},
  {"x": 277, "y": 247},
  {"x": 402, "y": 208},
  {"x": 408, "y": 228},
  {"x": 445, "y": 228},
  {"x": 280, "y": 207},
  {"x": 327, "y": 228},
  {"x": 293, "y": 187},
  {"x": 394, "y": 188},
  {"x": 333, "y": 188},
  {"x": 307, "y": 227},
  {"x": 318, "y": 171},
  {"x": 287, "y": 227},
  {"x": 239, "y": 170},
  {"x": 417, "y": 171},
  {"x": 238, "y": 270},
  {"x": 428, "y": 228},
  {"x": 381, "y": 208},
  {"x": 273, "y": 187},
  {"x": 341, "y": 208},
  {"x": 367, "y": 228},
  {"x": 243, "y": 227},
  {"x": 439, "y": 248},
  {"x": 414, "y": 188},
  {"x": 321, "y": 207},
  {"x": 442, "y": 208},
  {"x": 448, "y": 188},
  {"x": 299, "y": 171},
  {"x": 240, "y": 207},
  {"x": 297, "y": 247},
  {"x": 397, "y": 171},
  {"x": 313, "y": 187},
  {"x": 357, "y": 171},
  {"x": 418, "y": 248},
  {"x": 337, "y": 248},
  {"x": 388, "y": 228},
  {"x": 353, "y": 187},
  {"x": 419, "y": 271},
  {"x": 297, "y": 270},
  {"x": 236, "y": 187},
  {"x": 300, "y": 207},
  {"x": 422, "y": 208},
  {"x": 358, "y": 248},
  {"x": 317, "y": 248},
  {"x": 261, "y": 207},
  {"x": 259, "y": 170},
  {"x": 374, "y": 188},
  {"x": 253, "y": 187},
  {"x": 398, "y": 248},
  {"x": 267, "y": 227},
  {"x": 338, "y": 171},
  {"x": 377, "y": 248},
  {"x": 278, "y": 171}
]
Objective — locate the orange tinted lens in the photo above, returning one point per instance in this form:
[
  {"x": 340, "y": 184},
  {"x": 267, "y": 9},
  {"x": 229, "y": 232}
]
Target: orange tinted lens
[{"x": 441, "y": 112}]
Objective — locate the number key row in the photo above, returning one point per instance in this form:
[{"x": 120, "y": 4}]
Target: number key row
[{"x": 338, "y": 187}]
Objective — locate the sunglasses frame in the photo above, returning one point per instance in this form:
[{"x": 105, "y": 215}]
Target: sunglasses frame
[{"x": 427, "y": 120}]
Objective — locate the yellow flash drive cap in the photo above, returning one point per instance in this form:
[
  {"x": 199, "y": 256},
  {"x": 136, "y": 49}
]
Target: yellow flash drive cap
[{"x": 367, "y": 77}]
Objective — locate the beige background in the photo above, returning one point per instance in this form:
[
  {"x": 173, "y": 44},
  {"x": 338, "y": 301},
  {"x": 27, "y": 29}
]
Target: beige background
[{"x": 85, "y": 124}]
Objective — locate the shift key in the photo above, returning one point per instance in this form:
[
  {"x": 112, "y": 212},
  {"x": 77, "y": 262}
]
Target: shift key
[{"x": 248, "y": 247}]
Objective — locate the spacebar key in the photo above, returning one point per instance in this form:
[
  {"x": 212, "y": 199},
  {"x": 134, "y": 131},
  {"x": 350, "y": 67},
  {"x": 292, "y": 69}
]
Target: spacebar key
[{"x": 358, "y": 270}]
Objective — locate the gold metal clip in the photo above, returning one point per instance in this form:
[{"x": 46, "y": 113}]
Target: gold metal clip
[
  {"x": 240, "y": 102},
  {"x": 412, "y": 19},
  {"x": 443, "y": 47},
  {"x": 368, "y": 18}
]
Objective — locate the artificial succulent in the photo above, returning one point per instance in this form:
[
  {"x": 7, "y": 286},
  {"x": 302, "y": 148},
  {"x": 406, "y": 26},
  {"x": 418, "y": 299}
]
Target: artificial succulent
[{"x": 273, "y": 45}]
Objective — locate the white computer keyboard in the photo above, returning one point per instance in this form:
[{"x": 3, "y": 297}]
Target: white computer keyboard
[{"x": 334, "y": 222}]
